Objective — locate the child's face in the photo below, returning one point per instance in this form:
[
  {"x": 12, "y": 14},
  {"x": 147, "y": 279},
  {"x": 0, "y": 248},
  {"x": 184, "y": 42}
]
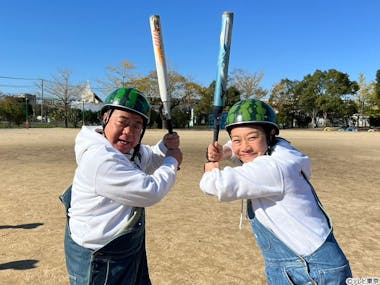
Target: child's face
[{"x": 248, "y": 142}]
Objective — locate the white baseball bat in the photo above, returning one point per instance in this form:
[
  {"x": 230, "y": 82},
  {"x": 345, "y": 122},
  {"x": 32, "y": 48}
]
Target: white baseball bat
[{"x": 162, "y": 75}]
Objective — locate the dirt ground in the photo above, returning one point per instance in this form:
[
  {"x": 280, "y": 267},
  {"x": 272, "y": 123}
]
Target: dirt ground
[{"x": 191, "y": 238}]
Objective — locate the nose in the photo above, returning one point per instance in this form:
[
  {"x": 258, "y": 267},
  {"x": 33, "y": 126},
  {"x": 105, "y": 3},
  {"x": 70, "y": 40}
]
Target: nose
[
  {"x": 127, "y": 129},
  {"x": 245, "y": 145}
]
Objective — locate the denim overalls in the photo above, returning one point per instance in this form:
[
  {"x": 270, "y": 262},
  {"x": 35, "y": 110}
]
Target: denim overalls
[
  {"x": 121, "y": 261},
  {"x": 327, "y": 265}
]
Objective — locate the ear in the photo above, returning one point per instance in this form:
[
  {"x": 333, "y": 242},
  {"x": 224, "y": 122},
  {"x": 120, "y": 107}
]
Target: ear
[{"x": 105, "y": 116}]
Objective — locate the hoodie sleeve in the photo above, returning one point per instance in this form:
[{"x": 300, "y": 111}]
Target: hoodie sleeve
[
  {"x": 152, "y": 156},
  {"x": 116, "y": 178},
  {"x": 261, "y": 178}
]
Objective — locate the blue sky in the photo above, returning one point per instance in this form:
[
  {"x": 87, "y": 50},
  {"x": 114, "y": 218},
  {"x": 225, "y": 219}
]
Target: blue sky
[{"x": 282, "y": 39}]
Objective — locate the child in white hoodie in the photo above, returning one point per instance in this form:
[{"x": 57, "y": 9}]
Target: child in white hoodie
[{"x": 291, "y": 227}]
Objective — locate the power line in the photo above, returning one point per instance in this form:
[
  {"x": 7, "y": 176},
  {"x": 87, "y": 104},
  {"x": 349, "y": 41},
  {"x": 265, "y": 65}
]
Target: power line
[
  {"x": 20, "y": 78},
  {"x": 16, "y": 86}
]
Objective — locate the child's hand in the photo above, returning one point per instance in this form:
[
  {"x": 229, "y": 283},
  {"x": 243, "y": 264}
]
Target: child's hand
[
  {"x": 215, "y": 152},
  {"x": 211, "y": 165}
]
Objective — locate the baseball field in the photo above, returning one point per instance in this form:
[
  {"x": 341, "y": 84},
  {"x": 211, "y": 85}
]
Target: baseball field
[{"x": 191, "y": 238}]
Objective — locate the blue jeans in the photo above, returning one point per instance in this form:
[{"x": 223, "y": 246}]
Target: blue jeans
[
  {"x": 121, "y": 261},
  {"x": 327, "y": 265}
]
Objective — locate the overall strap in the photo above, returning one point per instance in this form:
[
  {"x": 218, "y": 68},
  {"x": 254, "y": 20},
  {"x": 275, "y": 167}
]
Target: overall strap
[
  {"x": 329, "y": 222},
  {"x": 66, "y": 199}
]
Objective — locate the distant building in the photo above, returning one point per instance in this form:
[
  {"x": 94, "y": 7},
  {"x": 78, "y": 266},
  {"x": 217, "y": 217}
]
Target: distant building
[
  {"x": 31, "y": 98},
  {"x": 359, "y": 120},
  {"x": 88, "y": 96},
  {"x": 89, "y": 100}
]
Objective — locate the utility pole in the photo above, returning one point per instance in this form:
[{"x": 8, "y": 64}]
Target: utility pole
[
  {"x": 42, "y": 100},
  {"x": 26, "y": 113}
]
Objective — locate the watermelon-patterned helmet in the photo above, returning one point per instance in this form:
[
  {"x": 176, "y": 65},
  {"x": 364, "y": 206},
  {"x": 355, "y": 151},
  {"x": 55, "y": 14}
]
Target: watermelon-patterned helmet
[
  {"x": 251, "y": 111},
  {"x": 128, "y": 99}
]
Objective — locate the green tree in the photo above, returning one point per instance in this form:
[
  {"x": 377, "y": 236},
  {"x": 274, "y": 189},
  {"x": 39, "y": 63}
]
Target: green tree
[
  {"x": 13, "y": 109},
  {"x": 285, "y": 100},
  {"x": 321, "y": 93},
  {"x": 184, "y": 93},
  {"x": 346, "y": 110},
  {"x": 374, "y": 101},
  {"x": 92, "y": 117},
  {"x": 377, "y": 84},
  {"x": 205, "y": 105},
  {"x": 365, "y": 97},
  {"x": 75, "y": 117}
]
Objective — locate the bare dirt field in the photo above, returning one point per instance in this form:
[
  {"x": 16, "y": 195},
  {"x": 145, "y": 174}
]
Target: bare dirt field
[{"x": 191, "y": 238}]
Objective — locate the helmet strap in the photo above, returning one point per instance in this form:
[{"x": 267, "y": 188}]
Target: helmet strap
[
  {"x": 271, "y": 139},
  {"x": 136, "y": 149},
  {"x": 108, "y": 117}
]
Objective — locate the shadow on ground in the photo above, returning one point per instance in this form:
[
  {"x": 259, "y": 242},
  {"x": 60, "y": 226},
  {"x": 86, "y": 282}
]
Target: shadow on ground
[
  {"x": 24, "y": 226},
  {"x": 19, "y": 264}
]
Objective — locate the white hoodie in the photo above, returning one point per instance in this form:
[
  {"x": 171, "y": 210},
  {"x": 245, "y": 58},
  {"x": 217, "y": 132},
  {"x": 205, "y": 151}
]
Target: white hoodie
[
  {"x": 107, "y": 185},
  {"x": 281, "y": 197}
]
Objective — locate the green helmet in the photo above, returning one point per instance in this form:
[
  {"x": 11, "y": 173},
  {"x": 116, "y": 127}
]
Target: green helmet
[
  {"x": 128, "y": 99},
  {"x": 251, "y": 111}
]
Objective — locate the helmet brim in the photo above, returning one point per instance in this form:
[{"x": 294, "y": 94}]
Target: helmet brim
[
  {"x": 245, "y": 123},
  {"x": 123, "y": 108}
]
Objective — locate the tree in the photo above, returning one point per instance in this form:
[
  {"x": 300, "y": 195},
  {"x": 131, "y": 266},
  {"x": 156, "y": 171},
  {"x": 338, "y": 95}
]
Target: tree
[
  {"x": 182, "y": 90},
  {"x": 377, "y": 85},
  {"x": 248, "y": 84},
  {"x": 92, "y": 117},
  {"x": 233, "y": 96},
  {"x": 63, "y": 93},
  {"x": 285, "y": 100},
  {"x": 205, "y": 105},
  {"x": 184, "y": 93},
  {"x": 374, "y": 101},
  {"x": 346, "y": 110},
  {"x": 365, "y": 95},
  {"x": 119, "y": 76},
  {"x": 13, "y": 109},
  {"x": 74, "y": 117},
  {"x": 322, "y": 92}
]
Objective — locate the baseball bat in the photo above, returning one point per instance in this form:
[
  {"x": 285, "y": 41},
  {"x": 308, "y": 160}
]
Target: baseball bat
[
  {"x": 222, "y": 74},
  {"x": 162, "y": 74}
]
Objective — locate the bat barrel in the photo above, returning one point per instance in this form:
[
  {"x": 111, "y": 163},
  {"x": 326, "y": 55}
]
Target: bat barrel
[
  {"x": 223, "y": 59},
  {"x": 162, "y": 74},
  {"x": 222, "y": 72}
]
